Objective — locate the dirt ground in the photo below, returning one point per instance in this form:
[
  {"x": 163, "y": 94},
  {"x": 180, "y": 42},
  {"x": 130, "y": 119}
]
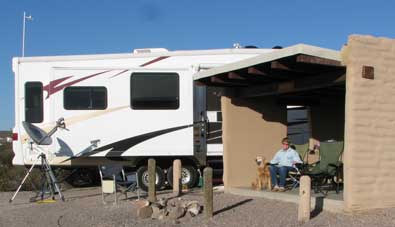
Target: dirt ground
[{"x": 84, "y": 207}]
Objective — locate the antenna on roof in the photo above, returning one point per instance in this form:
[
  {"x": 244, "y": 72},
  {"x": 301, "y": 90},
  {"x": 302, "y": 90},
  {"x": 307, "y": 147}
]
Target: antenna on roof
[
  {"x": 236, "y": 45},
  {"x": 23, "y": 31}
]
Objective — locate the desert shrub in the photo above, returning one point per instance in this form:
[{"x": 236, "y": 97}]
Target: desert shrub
[{"x": 11, "y": 176}]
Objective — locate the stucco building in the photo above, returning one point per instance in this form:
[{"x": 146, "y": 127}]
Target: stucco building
[{"x": 349, "y": 95}]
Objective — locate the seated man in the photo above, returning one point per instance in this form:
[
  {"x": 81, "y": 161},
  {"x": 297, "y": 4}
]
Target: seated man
[{"x": 284, "y": 161}]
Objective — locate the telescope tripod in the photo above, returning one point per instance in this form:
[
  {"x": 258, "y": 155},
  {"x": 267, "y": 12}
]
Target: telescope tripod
[{"x": 48, "y": 179}]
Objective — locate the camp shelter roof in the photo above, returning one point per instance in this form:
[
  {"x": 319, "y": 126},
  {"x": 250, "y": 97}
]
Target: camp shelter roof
[{"x": 296, "y": 68}]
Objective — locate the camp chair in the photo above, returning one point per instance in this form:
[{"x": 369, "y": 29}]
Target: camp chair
[
  {"x": 328, "y": 168},
  {"x": 302, "y": 150},
  {"x": 294, "y": 176},
  {"x": 114, "y": 179}
]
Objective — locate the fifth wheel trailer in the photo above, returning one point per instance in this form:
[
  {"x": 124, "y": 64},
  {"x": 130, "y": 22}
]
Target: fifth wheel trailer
[{"x": 123, "y": 108}]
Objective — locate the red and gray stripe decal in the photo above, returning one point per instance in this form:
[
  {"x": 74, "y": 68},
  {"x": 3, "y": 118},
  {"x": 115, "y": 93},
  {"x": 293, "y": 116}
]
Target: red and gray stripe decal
[
  {"x": 120, "y": 73},
  {"x": 53, "y": 87},
  {"x": 153, "y": 61},
  {"x": 143, "y": 65}
]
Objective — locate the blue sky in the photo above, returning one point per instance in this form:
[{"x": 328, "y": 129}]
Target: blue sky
[{"x": 63, "y": 27}]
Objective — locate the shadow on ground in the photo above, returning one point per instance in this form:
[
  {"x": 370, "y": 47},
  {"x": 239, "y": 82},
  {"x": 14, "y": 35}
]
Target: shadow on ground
[{"x": 232, "y": 206}]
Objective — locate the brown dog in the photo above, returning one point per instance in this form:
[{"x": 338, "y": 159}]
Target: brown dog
[{"x": 263, "y": 180}]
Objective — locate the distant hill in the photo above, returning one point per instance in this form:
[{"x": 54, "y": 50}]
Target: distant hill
[{"x": 5, "y": 133}]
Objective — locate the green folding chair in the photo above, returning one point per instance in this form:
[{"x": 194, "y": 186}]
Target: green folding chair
[
  {"x": 302, "y": 150},
  {"x": 328, "y": 168},
  {"x": 294, "y": 175}
]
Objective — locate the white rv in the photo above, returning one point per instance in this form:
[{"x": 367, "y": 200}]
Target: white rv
[{"x": 123, "y": 108}]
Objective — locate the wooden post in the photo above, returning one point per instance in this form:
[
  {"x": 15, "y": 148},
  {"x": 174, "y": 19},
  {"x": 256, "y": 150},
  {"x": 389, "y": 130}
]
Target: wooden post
[
  {"x": 177, "y": 177},
  {"x": 208, "y": 192},
  {"x": 152, "y": 180},
  {"x": 305, "y": 199}
]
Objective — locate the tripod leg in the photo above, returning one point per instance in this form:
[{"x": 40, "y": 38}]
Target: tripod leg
[
  {"x": 52, "y": 180},
  {"x": 23, "y": 181},
  {"x": 50, "y": 183},
  {"x": 43, "y": 186}
]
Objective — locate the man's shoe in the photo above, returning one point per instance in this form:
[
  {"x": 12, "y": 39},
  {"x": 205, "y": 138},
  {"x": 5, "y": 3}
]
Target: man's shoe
[
  {"x": 281, "y": 189},
  {"x": 275, "y": 189}
]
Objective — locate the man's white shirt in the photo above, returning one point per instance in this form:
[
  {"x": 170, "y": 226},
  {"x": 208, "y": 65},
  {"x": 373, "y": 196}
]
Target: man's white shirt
[{"x": 286, "y": 157}]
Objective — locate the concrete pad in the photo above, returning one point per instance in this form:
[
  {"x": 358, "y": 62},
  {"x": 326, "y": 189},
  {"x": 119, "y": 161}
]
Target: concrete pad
[{"x": 331, "y": 205}]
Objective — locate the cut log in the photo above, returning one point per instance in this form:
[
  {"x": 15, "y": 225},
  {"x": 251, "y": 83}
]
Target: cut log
[
  {"x": 144, "y": 212},
  {"x": 142, "y": 203}
]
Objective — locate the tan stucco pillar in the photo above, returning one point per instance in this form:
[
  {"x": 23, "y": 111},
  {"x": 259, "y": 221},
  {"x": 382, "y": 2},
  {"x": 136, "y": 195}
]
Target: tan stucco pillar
[
  {"x": 369, "y": 156},
  {"x": 250, "y": 128}
]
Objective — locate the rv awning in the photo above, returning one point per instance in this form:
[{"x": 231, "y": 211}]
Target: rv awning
[{"x": 293, "y": 69}]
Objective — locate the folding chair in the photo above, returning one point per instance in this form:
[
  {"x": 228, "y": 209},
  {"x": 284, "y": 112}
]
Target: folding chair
[
  {"x": 130, "y": 183},
  {"x": 328, "y": 168},
  {"x": 294, "y": 176},
  {"x": 302, "y": 150},
  {"x": 114, "y": 179},
  {"x": 108, "y": 182}
]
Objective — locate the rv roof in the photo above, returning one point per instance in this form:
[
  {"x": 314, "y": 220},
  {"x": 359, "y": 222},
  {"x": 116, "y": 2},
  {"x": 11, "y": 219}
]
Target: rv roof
[{"x": 146, "y": 54}]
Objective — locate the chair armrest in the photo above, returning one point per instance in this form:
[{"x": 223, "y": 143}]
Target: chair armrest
[
  {"x": 338, "y": 165},
  {"x": 300, "y": 165},
  {"x": 314, "y": 163}
]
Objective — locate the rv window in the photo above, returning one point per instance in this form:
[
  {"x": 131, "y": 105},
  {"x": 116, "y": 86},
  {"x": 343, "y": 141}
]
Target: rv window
[
  {"x": 85, "y": 98},
  {"x": 154, "y": 91},
  {"x": 34, "y": 102}
]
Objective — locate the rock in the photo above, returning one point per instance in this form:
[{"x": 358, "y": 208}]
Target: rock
[
  {"x": 163, "y": 202},
  {"x": 157, "y": 205},
  {"x": 172, "y": 203},
  {"x": 183, "y": 204},
  {"x": 194, "y": 209},
  {"x": 155, "y": 212},
  {"x": 176, "y": 213},
  {"x": 144, "y": 212},
  {"x": 190, "y": 203},
  {"x": 162, "y": 214}
]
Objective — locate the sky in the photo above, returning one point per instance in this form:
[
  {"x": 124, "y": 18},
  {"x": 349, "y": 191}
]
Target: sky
[{"x": 61, "y": 27}]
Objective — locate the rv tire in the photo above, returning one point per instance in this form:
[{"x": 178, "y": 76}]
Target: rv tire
[
  {"x": 142, "y": 175},
  {"x": 189, "y": 176}
]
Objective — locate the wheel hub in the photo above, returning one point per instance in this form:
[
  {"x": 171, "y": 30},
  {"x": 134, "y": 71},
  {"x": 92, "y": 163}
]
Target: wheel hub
[
  {"x": 145, "y": 178},
  {"x": 185, "y": 176}
]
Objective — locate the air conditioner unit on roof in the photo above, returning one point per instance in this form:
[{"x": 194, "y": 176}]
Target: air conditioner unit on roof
[{"x": 149, "y": 50}]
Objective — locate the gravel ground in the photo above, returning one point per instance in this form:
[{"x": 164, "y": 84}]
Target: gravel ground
[{"x": 83, "y": 207}]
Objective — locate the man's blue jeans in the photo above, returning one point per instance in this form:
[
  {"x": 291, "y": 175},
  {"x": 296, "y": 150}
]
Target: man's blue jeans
[{"x": 282, "y": 171}]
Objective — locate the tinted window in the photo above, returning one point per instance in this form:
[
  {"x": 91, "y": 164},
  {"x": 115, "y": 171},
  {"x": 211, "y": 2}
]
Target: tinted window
[
  {"x": 154, "y": 91},
  {"x": 85, "y": 98},
  {"x": 34, "y": 102}
]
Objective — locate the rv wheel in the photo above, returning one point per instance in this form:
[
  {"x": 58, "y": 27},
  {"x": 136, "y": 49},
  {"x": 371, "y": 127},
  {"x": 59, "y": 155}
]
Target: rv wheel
[
  {"x": 142, "y": 175},
  {"x": 189, "y": 176}
]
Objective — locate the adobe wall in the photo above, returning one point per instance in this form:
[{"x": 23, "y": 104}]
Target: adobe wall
[
  {"x": 370, "y": 124},
  {"x": 250, "y": 128}
]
